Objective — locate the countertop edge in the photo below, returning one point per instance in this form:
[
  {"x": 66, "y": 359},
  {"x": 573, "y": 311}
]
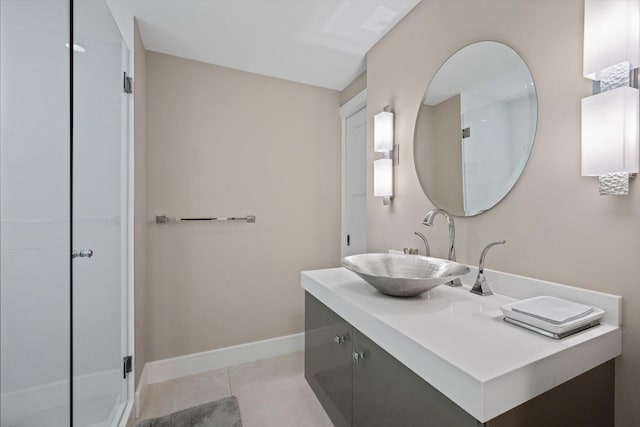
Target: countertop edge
[{"x": 535, "y": 379}]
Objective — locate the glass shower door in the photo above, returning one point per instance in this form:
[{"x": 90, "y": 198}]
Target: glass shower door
[
  {"x": 99, "y": 213},
  {"x": 63, "y": 164}
]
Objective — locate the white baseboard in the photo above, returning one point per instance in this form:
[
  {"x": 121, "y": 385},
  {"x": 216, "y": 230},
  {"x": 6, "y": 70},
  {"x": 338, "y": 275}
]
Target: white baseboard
[
  {"x": 196, "y": 363},
  {"x": 141, "y": 391}
]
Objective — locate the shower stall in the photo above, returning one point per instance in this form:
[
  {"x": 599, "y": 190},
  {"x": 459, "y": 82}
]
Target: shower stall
[{"x": 64, "y": 215}]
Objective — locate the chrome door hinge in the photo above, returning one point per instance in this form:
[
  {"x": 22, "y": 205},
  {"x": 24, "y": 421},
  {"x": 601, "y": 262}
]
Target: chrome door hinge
[
  {"x": 127, "y": 85},
  {"x": 127, "y": 365}
]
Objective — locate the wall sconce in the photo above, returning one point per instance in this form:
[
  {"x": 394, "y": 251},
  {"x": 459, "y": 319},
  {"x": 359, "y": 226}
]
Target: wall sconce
[
  {"x": 383, "y": 132},
  {"x": 383, "y": 143},
  {"x": 610, "y": 117},
  {"x": 383, "y": 179}
]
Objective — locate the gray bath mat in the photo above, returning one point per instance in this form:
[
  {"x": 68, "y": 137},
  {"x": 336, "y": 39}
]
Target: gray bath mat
[{"x": 221, "y": 413}]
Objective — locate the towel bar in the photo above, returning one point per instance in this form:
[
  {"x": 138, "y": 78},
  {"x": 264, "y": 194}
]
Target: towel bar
[{"x": 163, "y": 219}]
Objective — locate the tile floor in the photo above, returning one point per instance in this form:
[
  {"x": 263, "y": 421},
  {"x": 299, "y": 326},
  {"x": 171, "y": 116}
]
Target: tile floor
[{"x": 271, "y": 392}]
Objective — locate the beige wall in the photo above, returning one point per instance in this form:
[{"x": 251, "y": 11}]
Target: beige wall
[
  {"x": 222, "y": 142},
  {"x": 439, "y": 153},
  {"x": 556, "y": 226},
  {"x": 355, "y": 87},
  {"x": 140, "y": 203}
]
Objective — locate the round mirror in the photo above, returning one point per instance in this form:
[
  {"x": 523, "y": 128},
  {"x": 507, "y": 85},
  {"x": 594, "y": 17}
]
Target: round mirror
[{"x": 475, "y": 128}]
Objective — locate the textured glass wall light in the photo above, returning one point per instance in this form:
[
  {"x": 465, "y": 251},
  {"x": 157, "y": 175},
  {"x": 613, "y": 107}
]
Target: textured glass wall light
[
  {"x": 610, "y": 117},
  {"x": 383, "y": 143},
  {"x": 611, "y": 35},
  {"x": 610, "y": 132}
]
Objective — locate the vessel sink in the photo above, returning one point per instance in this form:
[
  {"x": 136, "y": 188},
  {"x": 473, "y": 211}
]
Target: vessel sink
[{"x": 403, "y": 275}]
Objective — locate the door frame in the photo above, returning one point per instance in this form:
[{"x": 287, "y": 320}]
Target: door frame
[{"x": 348, "y": 109}]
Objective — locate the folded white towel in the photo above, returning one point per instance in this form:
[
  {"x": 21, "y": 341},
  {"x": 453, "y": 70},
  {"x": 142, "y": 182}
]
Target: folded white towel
[{"x": 551, "y": 309}]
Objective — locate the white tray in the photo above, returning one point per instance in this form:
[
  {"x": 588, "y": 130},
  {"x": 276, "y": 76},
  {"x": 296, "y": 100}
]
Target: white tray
[
  {"x": 560, "y": 329},
  {"x": 551, "y": 309},
  {"x": 551, "y": 334}
]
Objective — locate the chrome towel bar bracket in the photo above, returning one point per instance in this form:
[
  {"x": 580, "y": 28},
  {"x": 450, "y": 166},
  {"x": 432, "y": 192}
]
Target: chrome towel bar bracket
[{"x": 163, "y": 219}]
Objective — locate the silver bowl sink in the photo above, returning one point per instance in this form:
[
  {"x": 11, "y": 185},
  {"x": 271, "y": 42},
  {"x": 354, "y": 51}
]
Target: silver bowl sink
[{"x": 403, "y": 275}]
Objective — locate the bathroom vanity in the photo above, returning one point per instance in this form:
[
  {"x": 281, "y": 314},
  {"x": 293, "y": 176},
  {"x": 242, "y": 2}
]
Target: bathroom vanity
[{"x": 446, "y": 358}]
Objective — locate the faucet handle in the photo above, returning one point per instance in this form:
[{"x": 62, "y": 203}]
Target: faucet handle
[
  {"x": 427, "y": 248},
  {"x": 481, "y": 287}
]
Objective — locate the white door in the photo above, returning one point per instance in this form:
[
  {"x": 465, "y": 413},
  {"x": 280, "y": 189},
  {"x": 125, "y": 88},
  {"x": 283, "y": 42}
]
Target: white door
[{"x": 354, "y": 240}]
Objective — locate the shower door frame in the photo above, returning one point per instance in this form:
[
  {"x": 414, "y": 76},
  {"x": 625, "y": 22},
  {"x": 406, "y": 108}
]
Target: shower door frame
[{"x": 130, "y": 283}]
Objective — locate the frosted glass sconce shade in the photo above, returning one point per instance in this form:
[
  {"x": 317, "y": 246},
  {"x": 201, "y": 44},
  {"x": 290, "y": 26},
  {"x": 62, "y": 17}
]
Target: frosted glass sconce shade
[
  {"x": 383, "y": 132},
  {"x": 611, "y": 35},
  {"x": 610, "y": 132},
  {"x": 383, "y": 178}
]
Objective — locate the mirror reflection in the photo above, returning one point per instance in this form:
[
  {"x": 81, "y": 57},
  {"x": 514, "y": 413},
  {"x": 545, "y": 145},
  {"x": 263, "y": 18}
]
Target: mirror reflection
[{"x": 475, "y": 128}]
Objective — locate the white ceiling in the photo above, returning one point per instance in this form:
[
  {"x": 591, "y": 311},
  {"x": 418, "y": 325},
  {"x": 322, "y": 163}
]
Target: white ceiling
[{"x": 318, "y": 42}]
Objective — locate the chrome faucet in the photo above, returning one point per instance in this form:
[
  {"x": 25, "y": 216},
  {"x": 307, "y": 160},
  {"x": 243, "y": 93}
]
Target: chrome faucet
[
  {"x": 481, "y": 287},
  {"x": 428, "y": 221}
]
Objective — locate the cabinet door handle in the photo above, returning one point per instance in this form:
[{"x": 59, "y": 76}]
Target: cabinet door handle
[
  {"x": 358, "y": 356},
  {"x": 339, "y": 339}
]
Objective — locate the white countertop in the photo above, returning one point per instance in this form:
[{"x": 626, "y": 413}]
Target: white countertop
[{"x": 458, "y": 342}]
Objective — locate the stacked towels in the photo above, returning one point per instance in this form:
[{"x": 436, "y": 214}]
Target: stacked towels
[{"x": 551, "y": 316}]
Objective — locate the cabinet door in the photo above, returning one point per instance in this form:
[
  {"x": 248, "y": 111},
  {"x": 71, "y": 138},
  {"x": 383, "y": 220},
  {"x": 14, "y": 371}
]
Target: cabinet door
[
  {"x": 387, "y": 393},
  {"x": 327, "y": 359}
]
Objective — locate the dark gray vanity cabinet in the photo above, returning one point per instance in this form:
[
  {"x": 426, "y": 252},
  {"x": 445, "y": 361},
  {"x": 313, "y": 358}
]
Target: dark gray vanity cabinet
[
  {"x": 387, "y": 393},
  {"x": 359, "y": 384},
  {"x": 327, "y": 359}
]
